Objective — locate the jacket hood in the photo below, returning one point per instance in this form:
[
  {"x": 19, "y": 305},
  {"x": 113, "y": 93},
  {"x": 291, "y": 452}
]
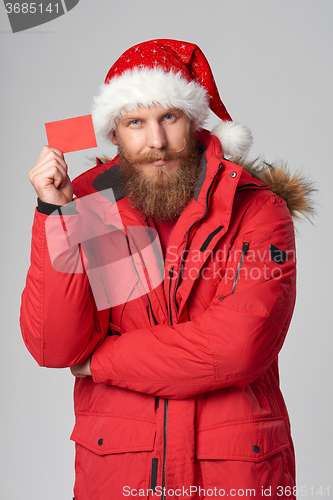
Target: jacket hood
[{"x": 294, "y": 188}]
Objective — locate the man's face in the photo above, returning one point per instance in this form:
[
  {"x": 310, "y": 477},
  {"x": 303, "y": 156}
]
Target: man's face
[
  {"x": 159, "y": 160},
  {"x": 153, "y": 132}
]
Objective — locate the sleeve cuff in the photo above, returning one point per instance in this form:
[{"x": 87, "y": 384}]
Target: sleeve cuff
[{"x": 49, "y": 208}]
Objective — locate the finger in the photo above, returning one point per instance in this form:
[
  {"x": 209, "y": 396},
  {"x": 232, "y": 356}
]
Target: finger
[
  {"x": 41, "y": 170},
  {"x": 78, "y": 375},
  {"x": 50, "y": 156},
  {"x": 76, "y": 372},
  {"x": 47, "y": 149},
  {"x": 48, "y": 162},
  {"x": 52, "y": 173}
]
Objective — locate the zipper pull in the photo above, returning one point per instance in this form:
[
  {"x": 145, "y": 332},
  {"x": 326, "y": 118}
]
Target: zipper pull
[{"x": 245, "y": 248}]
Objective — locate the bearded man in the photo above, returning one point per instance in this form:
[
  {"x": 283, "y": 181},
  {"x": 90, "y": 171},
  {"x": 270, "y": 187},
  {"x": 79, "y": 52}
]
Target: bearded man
[{"x": 167, "y": 286}]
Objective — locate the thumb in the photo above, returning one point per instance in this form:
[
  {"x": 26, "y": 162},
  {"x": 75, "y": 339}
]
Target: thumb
[
  {"x": 58, "y": 179},
  {"x": 64, "y": 182}
]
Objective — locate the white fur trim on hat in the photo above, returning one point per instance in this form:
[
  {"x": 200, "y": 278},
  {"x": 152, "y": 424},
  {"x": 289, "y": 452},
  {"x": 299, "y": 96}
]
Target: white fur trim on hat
[
  {"x": 235, "y": 138},
  {"x": 147, "y": 88}
]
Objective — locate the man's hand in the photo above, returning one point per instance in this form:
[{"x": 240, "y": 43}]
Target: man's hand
[
  {"x": 82, "y": 370},
  {"x": 50, "y": 179}
]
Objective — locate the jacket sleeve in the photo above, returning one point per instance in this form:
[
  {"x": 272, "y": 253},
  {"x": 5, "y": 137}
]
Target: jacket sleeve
[
  {"x": 237, "y": 337},
  {"x": 59, "y": 321}
]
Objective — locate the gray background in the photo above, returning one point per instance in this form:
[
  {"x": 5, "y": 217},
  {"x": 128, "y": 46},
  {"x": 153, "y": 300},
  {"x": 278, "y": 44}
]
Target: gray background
[{"x": 272, "y": 61}]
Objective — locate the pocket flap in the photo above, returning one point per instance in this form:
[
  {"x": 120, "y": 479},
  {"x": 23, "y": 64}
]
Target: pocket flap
[
  {"x": 106, "y": 434},
  {"x": 251, "y": 440}
]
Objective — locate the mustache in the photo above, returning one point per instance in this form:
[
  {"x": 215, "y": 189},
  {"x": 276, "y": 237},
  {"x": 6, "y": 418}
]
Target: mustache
[{"x": 154, "y": 155}]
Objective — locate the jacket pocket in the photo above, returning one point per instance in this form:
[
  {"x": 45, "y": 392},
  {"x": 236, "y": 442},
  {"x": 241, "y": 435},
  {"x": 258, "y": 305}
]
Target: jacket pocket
[
  {"x": 108, "y": 434},
  {"x": 251, "y": 441}
]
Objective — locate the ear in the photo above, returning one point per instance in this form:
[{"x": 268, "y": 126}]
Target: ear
[{"x": 114, "y": 139}]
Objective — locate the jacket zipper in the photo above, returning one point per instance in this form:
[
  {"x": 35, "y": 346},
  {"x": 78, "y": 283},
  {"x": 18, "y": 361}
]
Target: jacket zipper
[
  {"x": 188, "y": 235},
  {"x": 171, "y": 272},
  {"x": 170, "y": 284},
  {"x": 245, "y": 248},
  {"x": 153, "y": 481},
  {"x": 165, "y": 421},
  {"x": 157, "y": 398},
  {"x": 164, "y": 449}
]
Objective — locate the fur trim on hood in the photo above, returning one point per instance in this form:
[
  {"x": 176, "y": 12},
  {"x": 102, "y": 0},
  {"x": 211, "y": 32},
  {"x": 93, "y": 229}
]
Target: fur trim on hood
[{"x": 293, "y": 188}]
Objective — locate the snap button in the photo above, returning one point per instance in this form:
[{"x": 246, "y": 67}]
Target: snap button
[
  {"x": 233, "y": 174},
  {"x": 256, "y": 448},
  {"x": 100, "y": 442}
]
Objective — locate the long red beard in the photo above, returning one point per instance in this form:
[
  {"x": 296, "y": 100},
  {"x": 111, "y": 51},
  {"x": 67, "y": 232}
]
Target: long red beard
[{"x": 165, "y": 195}]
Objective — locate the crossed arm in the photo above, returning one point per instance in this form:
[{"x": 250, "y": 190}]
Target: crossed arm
[{"x": 232, "y": 343}]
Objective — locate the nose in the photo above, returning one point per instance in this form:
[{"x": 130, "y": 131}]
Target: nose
[{"x": 155, "y": 135}]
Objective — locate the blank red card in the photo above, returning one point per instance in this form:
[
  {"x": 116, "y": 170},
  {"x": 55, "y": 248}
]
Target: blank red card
[{"x": 72, "y": 134}]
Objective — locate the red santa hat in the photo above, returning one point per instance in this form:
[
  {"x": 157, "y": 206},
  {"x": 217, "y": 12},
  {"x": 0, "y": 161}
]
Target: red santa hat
[{"x": 173, "y": 74}]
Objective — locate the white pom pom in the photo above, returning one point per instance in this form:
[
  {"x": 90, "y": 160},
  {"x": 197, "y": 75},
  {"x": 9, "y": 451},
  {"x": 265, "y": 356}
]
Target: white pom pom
[{"x": 235, "y": 138}]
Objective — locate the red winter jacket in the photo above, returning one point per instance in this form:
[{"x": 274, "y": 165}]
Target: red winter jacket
[{"x": 184, "y": 398}]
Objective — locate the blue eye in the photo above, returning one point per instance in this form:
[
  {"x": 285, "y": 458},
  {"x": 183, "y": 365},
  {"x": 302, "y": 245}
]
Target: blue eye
[
  {"x": 169, "y": 117},
  {"x": 134, "y": 122}
]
